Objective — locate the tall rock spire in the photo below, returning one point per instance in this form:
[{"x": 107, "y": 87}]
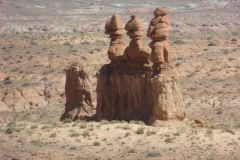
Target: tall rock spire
[
  {"x": 135, "y": 52},
  {"x": 159, "y": 33},
  {"x": 114, "y": 29}
]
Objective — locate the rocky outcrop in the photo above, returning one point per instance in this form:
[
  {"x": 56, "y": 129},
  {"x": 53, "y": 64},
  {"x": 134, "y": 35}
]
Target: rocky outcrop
[
  {"x": 78, "y": 92},
  {"x": 22, "y": 99},
  {"x": 141, "y": 87}
]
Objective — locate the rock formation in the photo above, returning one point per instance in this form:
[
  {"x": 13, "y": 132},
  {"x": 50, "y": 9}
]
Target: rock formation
[
  {"x": 158, "y": 32},
  {"x": 167, "y": 97},
  {"x": 78, "y": 92},
  {"x": 135, "y": 52},
  {"x": 114, "y": 29},
  {"x": 135, "y": 89}
]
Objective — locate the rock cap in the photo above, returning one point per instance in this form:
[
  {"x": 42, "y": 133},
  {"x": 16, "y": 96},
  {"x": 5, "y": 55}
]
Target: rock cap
[
  {"x": 160, "y": 11},
  {"x": 114, "y": 25},
  {"x": 133, "y": 24}
]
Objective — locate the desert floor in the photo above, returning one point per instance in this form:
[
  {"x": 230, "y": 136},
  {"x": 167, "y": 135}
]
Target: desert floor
[{"x": 206, "y": 52}]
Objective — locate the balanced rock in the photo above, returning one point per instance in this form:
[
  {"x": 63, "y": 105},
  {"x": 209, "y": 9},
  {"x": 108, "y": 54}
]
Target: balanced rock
[
  {"x": 114, "y": 29},
  {"x": 160, "y": 11},
  {"x": 158, "y": 31},
  {"x": 114, "y": 26},
  {"x": 133, "y": 24},
  {"x": 78, "y": 92},
  {"x": 135, "y": 51}
]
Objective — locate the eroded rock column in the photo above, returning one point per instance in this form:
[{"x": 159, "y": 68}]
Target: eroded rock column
[
  {"x": 167, "y": 96},
  {"x": 114, "y": 29},
  {"x": 135, "y": 52},
  {"x": 78, "y": 92},
  {"x": 158, "y": 32}
]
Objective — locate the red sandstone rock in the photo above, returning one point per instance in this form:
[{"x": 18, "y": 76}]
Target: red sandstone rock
[
  {"x": 159, "y": 33},
  {"x": 133, "y": 24},
  {"x": 160, "y": 52},
  {"x": 135, "y": 90},
  {"x": 135, "y": 51},
  {"x": 114, "y": 28},
  {"x": 115, "y": 50},
  {"x": 160, "y": 11},
  {"x": 15, "y": 101},
  {"x": 78, "y": 92},
  {"x": 167, "y": 97},
  {"x": 114, "y": 25}
]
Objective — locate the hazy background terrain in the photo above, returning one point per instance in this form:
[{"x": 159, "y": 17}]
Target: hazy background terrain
[{"x": 39, "y": 38}]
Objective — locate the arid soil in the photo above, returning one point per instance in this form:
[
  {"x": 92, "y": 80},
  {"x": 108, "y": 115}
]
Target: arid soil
[{"x": 206, "y": 50}]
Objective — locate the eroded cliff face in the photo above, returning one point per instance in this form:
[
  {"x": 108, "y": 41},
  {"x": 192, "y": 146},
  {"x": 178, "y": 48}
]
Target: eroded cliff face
[
  {"x": 123, "y": 94},
  {"x": 78, "y": 92},
  {"x": 167, "y": 97},
  {"x": 137, "y": 85}
]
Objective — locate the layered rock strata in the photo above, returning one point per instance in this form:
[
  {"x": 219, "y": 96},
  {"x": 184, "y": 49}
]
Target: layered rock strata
[
  {"x": 158, "y": 32},
  {"x": 78, "y": 92},
  {"x": 114, "y": 28},
  {"x": 135, "y": 51},
  {"x": 141, "y": 87}
]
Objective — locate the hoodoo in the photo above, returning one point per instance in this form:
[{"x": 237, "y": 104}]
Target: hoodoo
[
  {"x": 137, "y": 85},
  {"x": 114, "y": 29},
  {"x": 78, "y": 92}
]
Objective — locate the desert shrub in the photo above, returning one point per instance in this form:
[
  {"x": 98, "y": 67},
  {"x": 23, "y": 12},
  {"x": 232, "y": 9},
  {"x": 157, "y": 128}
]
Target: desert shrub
[
  {"x": 33, "y": 43},
  {"x": 125, "y": 127},
  {"x": 131, "y": 150},
  {"x": 179, "y": 41},
  {"x": 77, "y": 140},
  {"x": 67, "y": 120},
  {"x": 44, "y": 127},
  {"x": 53, "y": 135},
  {"x": 11, "y": 127},
  {"x": 137, "y": 122},
  {"x": 66, "y": 43},
  {"x": 127, "y": 134},
  {"x": 34, "y": 127},
  {"x": 114, "y": 121},
  {"x": 210, "y": 158},
  {"x": 90, "y": 129},
  {"x": 96, "y": 143},
  {"x": 153, "y": 154},
  {"x": 140, "y": 130},
  {"x": 73, "y": 148},
  {"x": 150, "y": 132},
  {"x": 85, "y": 134},
  {"x": 82, "y": 126},
  {"x": 169, "y": 140},
  {"x": 102, "y": 122},
  {"x": 74, "y": 134}
]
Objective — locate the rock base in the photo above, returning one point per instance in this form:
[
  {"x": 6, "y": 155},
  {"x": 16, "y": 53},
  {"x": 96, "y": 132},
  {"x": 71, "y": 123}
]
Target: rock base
[{"x": 130, "y": 91}]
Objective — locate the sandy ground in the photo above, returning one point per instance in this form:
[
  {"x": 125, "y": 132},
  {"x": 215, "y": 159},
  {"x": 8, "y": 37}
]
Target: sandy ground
[{"x": 206, "y": 46}]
